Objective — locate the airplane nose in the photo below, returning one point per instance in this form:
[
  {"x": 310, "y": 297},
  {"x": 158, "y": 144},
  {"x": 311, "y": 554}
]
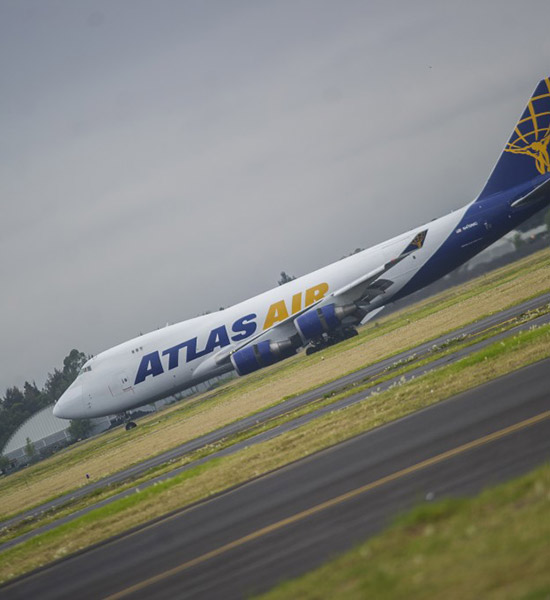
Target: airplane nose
[{"x": 71, "y": 404}]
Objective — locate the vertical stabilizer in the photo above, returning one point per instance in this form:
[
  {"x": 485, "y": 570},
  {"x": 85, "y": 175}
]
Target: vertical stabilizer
[{"x": 525, "y": 158}]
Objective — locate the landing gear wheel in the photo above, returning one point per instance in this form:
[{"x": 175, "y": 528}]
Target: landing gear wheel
[
  {"x": 130, "y": 425},
  {"x": 316, "y": 346},
  {"x": 350, "y": 332}
]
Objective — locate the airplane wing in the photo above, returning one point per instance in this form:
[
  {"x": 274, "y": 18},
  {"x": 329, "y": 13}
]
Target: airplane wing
[
  {"x": 225, "y": 354},
  {"x": 368, "y": 286},
  {"x": 369, "y": 316},
  {"x": 539, "y": 193},
  {"x": 361, "y": 290}
]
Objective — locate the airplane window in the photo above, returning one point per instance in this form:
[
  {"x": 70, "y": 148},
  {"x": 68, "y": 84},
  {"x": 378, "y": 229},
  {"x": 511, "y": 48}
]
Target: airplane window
[{"x": 85, "y": 369}]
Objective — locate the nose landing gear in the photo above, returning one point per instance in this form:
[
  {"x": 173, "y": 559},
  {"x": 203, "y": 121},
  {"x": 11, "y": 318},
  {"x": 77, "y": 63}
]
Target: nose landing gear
[{"x": 127, "y": 420}]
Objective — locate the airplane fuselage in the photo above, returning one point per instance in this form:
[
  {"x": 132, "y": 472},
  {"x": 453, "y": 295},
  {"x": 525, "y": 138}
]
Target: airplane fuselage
[
  {"x": 166, "y": 361},
  {"x": 322, "y": 305}
]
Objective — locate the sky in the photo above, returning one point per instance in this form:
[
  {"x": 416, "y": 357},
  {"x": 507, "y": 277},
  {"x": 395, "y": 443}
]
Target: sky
[{"x": 161, "y": 158}]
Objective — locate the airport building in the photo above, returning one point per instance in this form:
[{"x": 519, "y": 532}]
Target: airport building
[{"x": 41, "y": 435}]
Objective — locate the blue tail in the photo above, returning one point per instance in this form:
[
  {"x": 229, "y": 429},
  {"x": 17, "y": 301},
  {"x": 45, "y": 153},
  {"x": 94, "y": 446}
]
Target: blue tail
[{"x": 525, "y": 161}]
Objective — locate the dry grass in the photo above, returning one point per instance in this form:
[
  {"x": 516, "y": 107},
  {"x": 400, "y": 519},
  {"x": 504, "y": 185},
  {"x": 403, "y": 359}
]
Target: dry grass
[
  {"x": 218, "y": 475},
  {"x": 118, "y": 449}
]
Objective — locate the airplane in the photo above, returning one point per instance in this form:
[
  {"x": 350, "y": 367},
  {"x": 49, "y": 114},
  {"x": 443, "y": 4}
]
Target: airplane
[{"x": 325, "y": 306}]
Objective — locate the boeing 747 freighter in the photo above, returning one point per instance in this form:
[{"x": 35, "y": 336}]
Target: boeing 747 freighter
[{"x": 322, "y": 307}]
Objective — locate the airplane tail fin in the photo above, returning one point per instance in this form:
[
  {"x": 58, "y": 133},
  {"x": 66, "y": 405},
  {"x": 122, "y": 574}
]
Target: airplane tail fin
[{"x": 525, "y": 159}]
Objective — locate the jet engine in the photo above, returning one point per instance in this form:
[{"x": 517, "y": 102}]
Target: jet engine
[
  {"x": 315, "y": 322},
  {"x": 256, "y": 356}
]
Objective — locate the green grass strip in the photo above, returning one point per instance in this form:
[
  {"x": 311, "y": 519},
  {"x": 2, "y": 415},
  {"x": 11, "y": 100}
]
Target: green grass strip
[{"x": 496, "y": 545}]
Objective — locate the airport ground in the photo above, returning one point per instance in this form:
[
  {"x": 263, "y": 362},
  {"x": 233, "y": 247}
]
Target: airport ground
[
  {"x": 248, "y": 539},
  {"x": 501, "y": 318}
]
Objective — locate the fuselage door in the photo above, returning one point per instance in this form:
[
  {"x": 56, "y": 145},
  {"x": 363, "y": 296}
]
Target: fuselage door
[
  {"x": 125, "y": 382},
  {"x": 121, "y": 384}
]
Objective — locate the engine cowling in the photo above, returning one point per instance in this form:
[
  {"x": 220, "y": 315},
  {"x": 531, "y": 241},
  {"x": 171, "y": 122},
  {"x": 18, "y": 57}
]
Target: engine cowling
[
  {"x": 256, "y": 356},
  {"x": 317, "y": 321}
]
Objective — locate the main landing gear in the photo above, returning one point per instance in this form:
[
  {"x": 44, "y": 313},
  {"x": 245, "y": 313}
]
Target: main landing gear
[{"x": 327, "y": 340}]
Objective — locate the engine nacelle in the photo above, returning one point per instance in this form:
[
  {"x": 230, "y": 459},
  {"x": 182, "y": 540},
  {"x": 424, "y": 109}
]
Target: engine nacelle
[
  {"x": 256, "y": 356},
  {"x": 317, "y": 321}
]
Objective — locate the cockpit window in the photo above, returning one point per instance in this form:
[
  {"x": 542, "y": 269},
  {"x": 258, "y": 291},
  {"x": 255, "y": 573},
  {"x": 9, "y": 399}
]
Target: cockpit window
[{"x": 85, "y": 369}]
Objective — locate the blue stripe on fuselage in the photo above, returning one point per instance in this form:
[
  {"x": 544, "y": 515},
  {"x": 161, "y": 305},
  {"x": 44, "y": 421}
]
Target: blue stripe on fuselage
[{"x": 483, "y": 224}]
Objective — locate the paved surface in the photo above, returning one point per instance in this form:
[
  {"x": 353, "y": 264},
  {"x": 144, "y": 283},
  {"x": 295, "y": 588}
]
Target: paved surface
[
  {"x": 280, "y": 409},
  {"x": 297, "y": 422},
  {"x": 281, "y": 525}
]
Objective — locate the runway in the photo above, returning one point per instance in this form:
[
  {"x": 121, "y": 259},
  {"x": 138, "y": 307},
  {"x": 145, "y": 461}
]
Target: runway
[
  {"x": 286, "y": 406},
  {"x": 245, "y": 541}
]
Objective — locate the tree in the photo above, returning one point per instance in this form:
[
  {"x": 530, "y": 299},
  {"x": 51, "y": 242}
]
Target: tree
[
  {"x": 55, "y": 385},
  {"x": 18, "y": 405},
  {"x": 13, "y": 399},
  {"x": 30, "y": 450},
  {"x": 80, "y": 429},
  {"x": 5, "y": 463},
  {"x": 32, "y": 393},
  {"x": 59, "y": 381},
  {"x": 285, "y": 278},
  {"x": 72, "y": 364}
]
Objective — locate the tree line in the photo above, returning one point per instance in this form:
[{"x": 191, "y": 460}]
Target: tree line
[{"x": 17, "y": 404}]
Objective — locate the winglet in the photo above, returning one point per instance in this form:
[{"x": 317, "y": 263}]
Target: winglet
[{"x": 416, "y": 243}]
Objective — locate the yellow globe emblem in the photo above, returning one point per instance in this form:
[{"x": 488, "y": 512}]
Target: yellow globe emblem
[
  {"x": 537, "y": 150},
  {"x": 531, "y": 137}
]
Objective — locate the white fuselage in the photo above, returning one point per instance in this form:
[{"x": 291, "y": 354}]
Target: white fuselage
[
  {"x": 320, "y": 307},
  {"x": 109, "y": 382}
]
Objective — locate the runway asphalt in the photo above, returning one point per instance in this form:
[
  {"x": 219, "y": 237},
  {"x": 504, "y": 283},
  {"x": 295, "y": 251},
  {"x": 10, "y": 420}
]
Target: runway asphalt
[
  {"x": 282, "y": 408},
  {"x": 245, "y": 541}
]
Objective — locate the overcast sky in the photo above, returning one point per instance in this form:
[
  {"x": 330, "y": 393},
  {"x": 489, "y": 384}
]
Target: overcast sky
[{"x": 159, "y": 159}]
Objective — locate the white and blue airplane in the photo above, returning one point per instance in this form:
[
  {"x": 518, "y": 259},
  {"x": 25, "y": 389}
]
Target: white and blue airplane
[{"x": 324, "y": 306}]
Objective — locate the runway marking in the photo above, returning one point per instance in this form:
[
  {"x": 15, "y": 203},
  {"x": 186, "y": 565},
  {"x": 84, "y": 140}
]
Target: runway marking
[{"x": 333, "y": 502}]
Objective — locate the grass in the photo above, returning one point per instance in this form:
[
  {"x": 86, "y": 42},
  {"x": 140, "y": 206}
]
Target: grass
[
  {"x": 213, "y": 477},
  {"x": 496, "y": 546},
  {"x": 397, "y": 369},
  {"x": 116, "y": 450}
]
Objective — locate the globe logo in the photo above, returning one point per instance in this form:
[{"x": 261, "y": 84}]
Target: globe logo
[{"x": 532, "y": 134}]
